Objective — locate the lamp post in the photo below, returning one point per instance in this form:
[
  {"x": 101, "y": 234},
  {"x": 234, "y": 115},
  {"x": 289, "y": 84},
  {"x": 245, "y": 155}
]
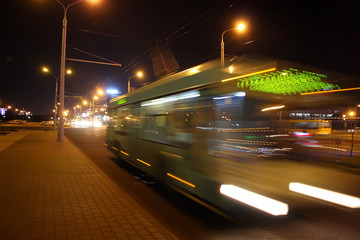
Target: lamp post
[
  {"x": 85, "y": 103},
  {"x": 93, "y": 106},
  {"x": 60, "y": 136},
  {"x": 139, "y": 75},
  {"x": 240, "y": 27},
  {"x": 80, "y": 110},
  {"x": 93, "y": 109},
  {"x": 46, "y": 70},
  {"x": 56, "y": 90}
]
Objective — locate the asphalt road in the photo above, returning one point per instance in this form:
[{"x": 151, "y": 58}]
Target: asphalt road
[{"x": 189, "y": 220}]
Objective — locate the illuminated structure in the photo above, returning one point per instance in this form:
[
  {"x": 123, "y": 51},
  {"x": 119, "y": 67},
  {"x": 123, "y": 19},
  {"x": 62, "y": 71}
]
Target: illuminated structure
[{"x": 291, "y": 81}]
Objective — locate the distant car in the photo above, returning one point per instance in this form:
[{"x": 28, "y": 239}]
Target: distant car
[
  {"x": 17, "y": 121},
  {"x": 357, "y": 129},
  {"x": 47, "y": 123}
]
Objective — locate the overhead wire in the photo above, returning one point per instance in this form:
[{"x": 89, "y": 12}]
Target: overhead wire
[
  {"x": 178, "y": 33},
  {"x": 190, "y": 23}
]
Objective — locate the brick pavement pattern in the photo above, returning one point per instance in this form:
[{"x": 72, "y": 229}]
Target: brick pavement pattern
[{"x": 51, "y": 190}]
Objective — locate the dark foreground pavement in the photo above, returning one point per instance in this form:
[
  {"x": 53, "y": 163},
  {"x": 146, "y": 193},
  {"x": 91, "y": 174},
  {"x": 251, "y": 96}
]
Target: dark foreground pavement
[{"x": 51, "y": 190}]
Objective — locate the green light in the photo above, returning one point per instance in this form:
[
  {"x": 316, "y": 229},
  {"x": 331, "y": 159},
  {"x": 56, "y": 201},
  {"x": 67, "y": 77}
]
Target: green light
[
  {"x": 121, "y": 101},
  {"x": 291, "y": 81}
]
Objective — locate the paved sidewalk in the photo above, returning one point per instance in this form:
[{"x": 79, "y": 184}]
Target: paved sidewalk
[{"x": 51, "y": 190}]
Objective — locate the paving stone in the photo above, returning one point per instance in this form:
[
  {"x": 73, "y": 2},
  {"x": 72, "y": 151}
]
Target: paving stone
[{"x": 51, "y": 190}]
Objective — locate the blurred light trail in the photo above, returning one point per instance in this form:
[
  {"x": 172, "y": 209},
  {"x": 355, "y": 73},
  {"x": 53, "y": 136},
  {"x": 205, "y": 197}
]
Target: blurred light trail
[
  {"x": 329, "y": 91},
  {"x": 272, "y": 108},
  {"x": 255, "y": 200},
  {"x": 326, "y": 195},
  {"x": 181, "y": 180},
  {"x": 186, "y": 95},
  {"x": 143, "y": 162},
  {"x": 248, "y": 75}
]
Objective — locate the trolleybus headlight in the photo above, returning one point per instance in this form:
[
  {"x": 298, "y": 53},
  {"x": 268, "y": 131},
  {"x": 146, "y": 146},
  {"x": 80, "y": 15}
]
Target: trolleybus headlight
[
  {"x": 326, "y": 195},
  {"x": 255, "y": 200}
]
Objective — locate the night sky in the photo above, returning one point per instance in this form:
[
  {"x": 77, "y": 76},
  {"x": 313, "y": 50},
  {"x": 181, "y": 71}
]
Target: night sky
[{"x": 324, "y": 34}]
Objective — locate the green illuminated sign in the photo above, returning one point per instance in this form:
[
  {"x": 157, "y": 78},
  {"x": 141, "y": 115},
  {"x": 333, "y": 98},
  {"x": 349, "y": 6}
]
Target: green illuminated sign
[
  {"x": 121, "y": 101},
  {"x": 290, "y": 81}
]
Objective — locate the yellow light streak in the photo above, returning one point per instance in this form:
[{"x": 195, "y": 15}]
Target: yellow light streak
[
  {"x": 143, "y": 162},
  {"x": 248, "y": 75},
  {"x": 181, "y": 180},
  {"x": 194, "y": 70},
  {"x": 124, "y": 153},
  {"x": 326, "y": 195},
  {"x": 272, "y": 108},
  {"x": 255, "y": 200},
  {"x": 114, "y": 148},
  {"x": 106, "y": 145},
  {"x": 329, "y": 91}
]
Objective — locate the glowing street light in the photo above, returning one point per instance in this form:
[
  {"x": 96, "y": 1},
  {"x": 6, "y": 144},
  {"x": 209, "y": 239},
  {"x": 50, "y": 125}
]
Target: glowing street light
[
  {"x": 240, "y": 28},
  {"x": 60, "y": 137},
  {"x": 138, "y": 74},
  {"x": 46, "y": 70},
  {"x": 100, "y": 92},
  {"x": 94, "y": 98}
]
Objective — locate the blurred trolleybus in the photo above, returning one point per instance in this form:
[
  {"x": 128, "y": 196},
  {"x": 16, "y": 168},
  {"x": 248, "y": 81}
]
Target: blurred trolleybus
[{"x": 221, "y": 135}]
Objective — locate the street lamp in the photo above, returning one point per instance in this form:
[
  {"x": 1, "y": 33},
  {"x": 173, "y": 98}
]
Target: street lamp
[
  {"x": 100, "y": 92},
  {"x": 60, "y": 136},
  {"x": 46, "y": 70},
  {"x": 240, "y": 27},
  {"x": 138, "y": 74},
  {"x": 94, "y": 98},
  {"x": 85, "y": 103}
]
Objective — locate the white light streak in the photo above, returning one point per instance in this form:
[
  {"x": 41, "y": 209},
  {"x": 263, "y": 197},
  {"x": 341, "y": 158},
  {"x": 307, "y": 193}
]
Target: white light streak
[
  {"x": 187, "y": 95},
  {"x": 272, "y": 108},
  {"x": 326, "y": 195},
  {"x": 255, "y": 200},
  {"x": 237, "y": 94}
]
